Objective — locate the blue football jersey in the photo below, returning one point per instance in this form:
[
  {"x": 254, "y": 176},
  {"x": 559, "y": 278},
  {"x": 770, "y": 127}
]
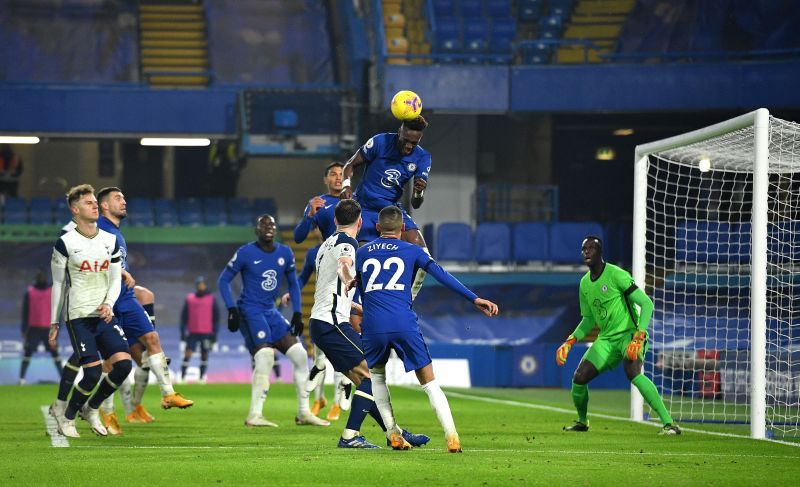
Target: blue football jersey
[
  {"x": 388, "y": 170},
  {"x": 386, "y": 269},
  {"x": 323, "y": 218},
  {"x": 127, "y": 293},
  {"x": 262, "y": 275}
]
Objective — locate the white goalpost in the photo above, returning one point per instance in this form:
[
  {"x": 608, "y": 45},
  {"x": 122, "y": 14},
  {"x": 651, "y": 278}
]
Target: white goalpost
[{"x": 716, "y": 239}]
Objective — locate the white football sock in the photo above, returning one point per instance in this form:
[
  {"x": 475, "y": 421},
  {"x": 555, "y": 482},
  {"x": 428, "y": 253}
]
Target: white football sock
[
  {"x": 126, "y": 394},
  {"x": 158, "y": 364},
  {"x": 337, "y": 394},
  {"x": 263, "y": 361},
  {"x": 419, "y": 277},
  {"x": 384, "y": 402},
  {"x": 440, "y": 406},
  {"x": 297, "y": 355},
  {"x": 140, "y": 379},
  {"x": 319, "y": 358},
  {"x": 348, "y": 434},
  {"x": 319, "y": 363}
]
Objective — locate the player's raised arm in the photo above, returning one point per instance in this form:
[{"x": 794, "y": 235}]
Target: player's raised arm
[
  {"x": 421, "y": 182},
  {"x": 358, "y": 159}
]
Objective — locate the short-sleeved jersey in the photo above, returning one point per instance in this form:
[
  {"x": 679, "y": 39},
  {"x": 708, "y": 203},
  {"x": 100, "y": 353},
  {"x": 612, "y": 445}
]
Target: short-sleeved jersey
[
  {"x": 126, "y": 295},
  {"x": 388, "y": 170},
  {"x": 262, "y": 273},
  {"x": 331, "y": 299},
  {"x": 386, "y": 269},
  {"x": 605, "y": 300},
  {"x": 323, "y": 218},
  {"x": 86, "y": 260}
]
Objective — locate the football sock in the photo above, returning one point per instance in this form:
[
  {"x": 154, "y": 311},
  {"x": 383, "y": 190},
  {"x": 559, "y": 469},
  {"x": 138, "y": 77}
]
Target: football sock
[
  {"x": 158, "y": 364},
  {"x": 109, "y": 384},
  {"x": 140, "y": 379},
  {"x": 126, "y": 394},
  {"x": 151, "y": 312},
  {"x": 337, "y": 391},
  {"x": 297, "y": 355},
  {"x": 580, "y": 397},
  {"x": 383, "y": 400},
  {"x": 68, "y": 374},
  {"x": 419, "y": 278},
  {"x": 651, "y": 395},
  {"x": 203, "y": 368},
  {"x": 56, "y": 361},
  {"x": 440, "y": 405},
  {"x": 184, "y": 366},
  {"x": 263, "y": 361},
  {"x": 362, "y": 404},
  {"x": 82, "y": 390},
  {"x": 26, "y": 361}
]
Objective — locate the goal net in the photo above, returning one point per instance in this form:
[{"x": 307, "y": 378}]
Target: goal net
[{"x": 717, "y": 247}]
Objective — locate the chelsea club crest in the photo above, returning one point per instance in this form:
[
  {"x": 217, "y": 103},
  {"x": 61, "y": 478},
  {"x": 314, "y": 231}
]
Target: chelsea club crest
[{"x": 412, "y": 167}]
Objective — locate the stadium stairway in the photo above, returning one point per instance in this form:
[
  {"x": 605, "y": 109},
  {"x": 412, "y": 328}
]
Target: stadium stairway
[
  {"x": 598, "y": 21},
  {"x": 287, "y": 237},
  {"x": 173, "y": 45}
]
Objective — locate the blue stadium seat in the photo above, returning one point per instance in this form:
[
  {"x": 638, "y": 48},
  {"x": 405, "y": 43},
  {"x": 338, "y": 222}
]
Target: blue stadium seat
[
  {"x": 566, "y": 239},
  {"x": 498, "y": 8},
  {"x": 454, "y": 242},
  {"x": 443, "y": 8},
  {"x": 698, "y": 241},
  {"x": 264, "y": 205},
  {"x": 471, "y": 9},
  {"x": 561, "y": 8},
  {"x": 448, "y": 35},
  {"x": 240, "y": 212},
  {"x": 503, "y": 32},
  {"x": 41, "y": 211},
  {"x": 529, "y": 11},
  {"x": 190, "y": 212},
  {"x": 537, "y": 53},
  {"x": 550, "y": 27},
  {"x": 285, "y": 121},
  {"x": 15, "y": 211},
  {"x": 165, "y": 212},
  {"x": 214, "y": 211},
  {"x": 140, "y": 212},
  {"x": 492, "y": 242},
  {"x": 62, "y": 212},
  {"x": 531, "y": 242},
  {"x": 476, "y": 34}
]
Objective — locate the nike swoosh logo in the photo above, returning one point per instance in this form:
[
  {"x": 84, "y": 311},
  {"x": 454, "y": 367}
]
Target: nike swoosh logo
[
  {"x": 256, "y": 262},
  {"x": 328, "y": 206}
]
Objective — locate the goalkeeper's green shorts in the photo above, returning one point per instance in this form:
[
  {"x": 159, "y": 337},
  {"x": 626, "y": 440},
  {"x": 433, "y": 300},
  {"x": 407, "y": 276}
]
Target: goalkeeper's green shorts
[{"x": 607, "y": 352}]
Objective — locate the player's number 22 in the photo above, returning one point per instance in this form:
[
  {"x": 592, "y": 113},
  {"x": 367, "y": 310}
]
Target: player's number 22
[{"x": 375, "y": 266}]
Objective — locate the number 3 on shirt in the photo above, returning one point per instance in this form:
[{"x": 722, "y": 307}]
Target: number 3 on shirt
[{"x": 392, "y": 285}]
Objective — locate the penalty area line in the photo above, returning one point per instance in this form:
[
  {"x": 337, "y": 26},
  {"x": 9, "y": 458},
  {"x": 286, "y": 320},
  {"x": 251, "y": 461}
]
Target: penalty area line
[
  {"x": 542, "y": 407},
  {"x": 57, "y": 440}
]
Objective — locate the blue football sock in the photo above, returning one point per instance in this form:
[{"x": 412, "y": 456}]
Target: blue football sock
[
  {"x": 68, "y": 375},
  {"x": 362, "y": 404}
]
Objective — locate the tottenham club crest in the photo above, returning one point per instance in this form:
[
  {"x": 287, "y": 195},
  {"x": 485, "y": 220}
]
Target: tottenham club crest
[
  {"x": 412, "y": 167},
  {"x": 270, "y": 281},
  {"x": 604, "y": 288}
]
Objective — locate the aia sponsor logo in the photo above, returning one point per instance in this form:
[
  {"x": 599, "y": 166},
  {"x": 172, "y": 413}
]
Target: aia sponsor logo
[{"x": 93, "y": 266}]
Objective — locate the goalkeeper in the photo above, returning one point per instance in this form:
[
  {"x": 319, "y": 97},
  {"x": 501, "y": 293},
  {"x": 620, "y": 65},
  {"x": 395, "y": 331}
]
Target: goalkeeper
[{"x": 607, "y": 296}]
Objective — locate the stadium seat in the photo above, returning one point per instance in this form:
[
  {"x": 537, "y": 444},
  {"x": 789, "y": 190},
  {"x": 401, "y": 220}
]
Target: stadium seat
[
  {"x": 285, "y": 121},
  {"x": 391, "y": 6},
  {"x": 443, "y": 8},
  {"x": 454, "y": 242},
  {"x": 498, "y": 8},
  {"x": 550, "y": 26},
  {"x": 537, "y": 53},
  {"x": 566, "y": 239},
  {"x": 15, "y": 211},
  {"x": 140, "y": 212},
  {"x": 448, "y": 35},
  {"x": 41, "y": 211},
  {"x": 492, "y": 242},
  {"x": 190, "y": 212},
  {"x": 476, "y": 33},
  {"x": 531, "y": 242},
  {"x": 214, "y": 211},
  {"x": 529, "y": 11},
  {"x": 699, "y": 241},
  {"x": 263, "y": 206},
  {"x": 165, "y": 212},
  {"x": 561, "y": 8},
  {"x": 471, "y": 9},
  {"x": 62, "y": 212},
  {"x": 503, "y": 32}
]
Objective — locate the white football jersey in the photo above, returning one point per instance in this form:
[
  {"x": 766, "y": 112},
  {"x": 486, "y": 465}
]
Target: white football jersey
[
  {"x": 331, "y": 301},
  {"x": 86, "y": 273}
]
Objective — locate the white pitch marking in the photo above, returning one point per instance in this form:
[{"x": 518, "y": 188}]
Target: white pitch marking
[{"x": 57, "y": 440}]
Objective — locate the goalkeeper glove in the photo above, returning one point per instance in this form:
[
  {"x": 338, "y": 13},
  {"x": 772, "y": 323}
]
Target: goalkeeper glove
[
  {"x": 634, "y": 350},
  {"x": 563, "y": 350},
  {"x": 297, "y": 324},
  {"x": 233, "y": 319}
]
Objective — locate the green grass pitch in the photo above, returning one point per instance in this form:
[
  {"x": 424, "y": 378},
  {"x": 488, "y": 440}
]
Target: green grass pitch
[{"x": 513, "y": 438}]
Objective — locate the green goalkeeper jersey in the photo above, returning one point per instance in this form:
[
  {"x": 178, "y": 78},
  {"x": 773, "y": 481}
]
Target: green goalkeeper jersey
[{"x": 605, "y": 301}]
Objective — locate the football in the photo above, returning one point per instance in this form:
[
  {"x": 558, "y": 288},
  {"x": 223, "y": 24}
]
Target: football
[{"x": 406, "y": 105}]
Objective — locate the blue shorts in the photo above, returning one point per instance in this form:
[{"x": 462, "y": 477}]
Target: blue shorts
[
  {"x": 409, "y": 345},
  {"x": 36, "y": 335},
  {"x": 204, "y": 340},
  {"x": 369, "y": 218},
  {"x": 341, "y": 343},
  {"x": 92, "y": 335},
  {"x": 134, "y": 320},
  {"x": 262, "y": 326}
]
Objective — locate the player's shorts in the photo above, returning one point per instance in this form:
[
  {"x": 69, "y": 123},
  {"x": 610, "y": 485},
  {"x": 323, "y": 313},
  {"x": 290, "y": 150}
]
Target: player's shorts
[
  {"x": 204, "y": 340},
  {"x": 35, "y": 336},
  {"x": 134, "y": 320},
  {"x": 606, "y": 353},
  {"x": 262, "y": 326},
  {"x": 409, "y": 346},
  {"x": 340, "y": 342},
  {"x": 369, "y": 218},
  {"x": 92, "y": 335}
]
